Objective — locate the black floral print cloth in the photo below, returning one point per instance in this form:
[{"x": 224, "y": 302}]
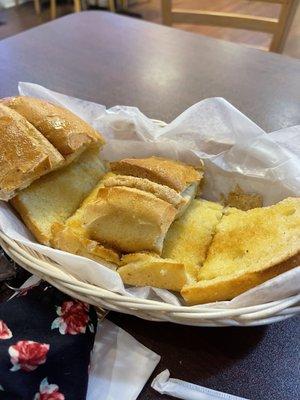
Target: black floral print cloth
[{"x": 45, "y": 343}]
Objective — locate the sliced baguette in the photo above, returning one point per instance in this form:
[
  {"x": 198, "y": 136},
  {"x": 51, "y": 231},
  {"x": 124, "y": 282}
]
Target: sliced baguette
[
  {"x": 175, "y": 174},
  {"x": 25, "y": 154},
  {"x": 247, "y": 249},
  {"x": 128, "y": 219},
  {"x": 56, "y": 196},
  {"x": 65, "y": 130},
  {"x": 73, "y": 237},
  {"x": 144, "y": 269},
  {"x": 163, "y": 192}
]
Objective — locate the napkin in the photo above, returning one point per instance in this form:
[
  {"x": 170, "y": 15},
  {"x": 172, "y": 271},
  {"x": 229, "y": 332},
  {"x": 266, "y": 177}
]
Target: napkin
[
  {"x": 186, "y": 390},
  {"x": 45, "y": 343},
  {"x": 235, "y": 151},
  {"x": 119, "y": 365}
]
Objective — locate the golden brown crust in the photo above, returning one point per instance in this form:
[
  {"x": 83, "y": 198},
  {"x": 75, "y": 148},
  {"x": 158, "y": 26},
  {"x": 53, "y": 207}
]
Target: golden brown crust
[
  {"x": 146, "y": 269},
  {"x": 25, "y": 154},
  {"x": 161, "y": 191},
  {"x": 65, "y": 239},
  {"x": 167, "y": 172},
  {"x": 228, "y": 287},
  {"x": 65, "y": 130},
  {"x": 254, "y": 240},
  {"x": 128, "y": 219}
]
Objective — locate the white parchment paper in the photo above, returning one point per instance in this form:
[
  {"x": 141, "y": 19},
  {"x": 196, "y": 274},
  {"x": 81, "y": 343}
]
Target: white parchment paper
[{"x": 234, "y": 149}]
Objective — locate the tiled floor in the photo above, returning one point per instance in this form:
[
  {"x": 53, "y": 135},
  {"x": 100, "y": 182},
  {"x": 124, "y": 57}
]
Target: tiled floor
[{"x": 24, "y": 17}]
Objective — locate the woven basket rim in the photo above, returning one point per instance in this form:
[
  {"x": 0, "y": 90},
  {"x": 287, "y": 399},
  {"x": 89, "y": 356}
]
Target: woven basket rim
[
  {"x": 48, "y": 270},
  {"x": 197, "y": 315}
]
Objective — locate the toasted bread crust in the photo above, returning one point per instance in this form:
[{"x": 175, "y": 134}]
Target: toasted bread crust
[
  {"x": 144, "y": 269},
  {"x": 65, "y": 130},
  {"x": 230, "y": 286},
  {"x": 167, "y": 172},
  {"x": 128, "y": 219},
  {"x": 161, "y": 191},
  {"x": 254, "y": 240},
  {"x": 25, "y": 154},
  {"x": 64, "y": 238}
]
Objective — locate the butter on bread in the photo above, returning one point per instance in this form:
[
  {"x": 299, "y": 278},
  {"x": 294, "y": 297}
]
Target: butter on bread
[
  {"x": 226, "y": 287},
  {"x": 189, "y": 237},
  {"x": 25, "y": 154},
  {"x": 56, "y": 196},
  {"x": 65, "y": 130},
  {"x": 145, "y": 269},
  {"x": 175, "y": 174},
  {"x": 248, "y": 248},
  {"x": 128, "y": 219}
]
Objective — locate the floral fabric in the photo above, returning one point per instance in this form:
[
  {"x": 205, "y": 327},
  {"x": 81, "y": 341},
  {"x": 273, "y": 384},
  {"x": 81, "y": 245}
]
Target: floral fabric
[{"x": 45, "y": 343}]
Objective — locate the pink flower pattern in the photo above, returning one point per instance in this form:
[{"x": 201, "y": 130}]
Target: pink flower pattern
[
  {"x": 48, "y": 392},
  {"x": 5, "y": 332},
  {"x": 27, "y": 355},
  {"x": 73, "y": 318}
]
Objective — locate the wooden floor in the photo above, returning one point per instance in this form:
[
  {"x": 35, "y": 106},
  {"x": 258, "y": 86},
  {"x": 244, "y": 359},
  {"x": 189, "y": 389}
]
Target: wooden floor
[{"x": 23, "y": 17}]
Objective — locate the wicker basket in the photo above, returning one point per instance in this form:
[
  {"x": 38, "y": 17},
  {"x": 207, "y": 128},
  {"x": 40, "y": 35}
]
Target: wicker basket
[{"x": 48, "y": 270}]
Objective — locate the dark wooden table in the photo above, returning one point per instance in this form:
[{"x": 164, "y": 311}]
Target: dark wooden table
[{"x": 116, "y": 60}]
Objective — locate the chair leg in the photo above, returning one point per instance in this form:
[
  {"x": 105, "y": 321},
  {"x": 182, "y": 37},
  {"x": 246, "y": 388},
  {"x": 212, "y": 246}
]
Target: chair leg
[
  {"x": 53, "y": 9},
  {"x": 287, "y": 13},
  {"x": 111, "y": 5},
  {"x": 37, "y": 6},
  {"x": 77, "y": 5}
]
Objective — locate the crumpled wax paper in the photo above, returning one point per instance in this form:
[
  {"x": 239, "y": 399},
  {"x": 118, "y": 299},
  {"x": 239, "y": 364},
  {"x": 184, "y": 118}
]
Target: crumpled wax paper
[{"x": 234, "y": 149}]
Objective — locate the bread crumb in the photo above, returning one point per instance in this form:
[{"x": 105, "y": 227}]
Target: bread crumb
[{"x": 241, "y": 200}]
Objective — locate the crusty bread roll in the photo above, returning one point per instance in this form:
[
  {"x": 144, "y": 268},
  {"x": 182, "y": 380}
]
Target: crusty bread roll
[
  {"x": 248, "y": 248},
  {"x": 129, "y": 219},
  {"x": 25, "y": 154},
  {"x": 144, "y": 269},
  {"x": 65, "y": 130},
  {"x": 56, "y": 196},
  {"x": 176, "y": 175}
]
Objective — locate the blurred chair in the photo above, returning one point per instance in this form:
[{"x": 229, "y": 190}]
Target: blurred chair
[
  {"x": 278, "y": 27},
  {"x": 77, "y": 6}
]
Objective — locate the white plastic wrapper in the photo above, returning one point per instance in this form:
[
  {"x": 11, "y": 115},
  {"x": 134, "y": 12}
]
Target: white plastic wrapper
[
  {"x": 120, "y": 365},
  {"x": 235, "y": 151},
  {"x": 186, "y": 390}
]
